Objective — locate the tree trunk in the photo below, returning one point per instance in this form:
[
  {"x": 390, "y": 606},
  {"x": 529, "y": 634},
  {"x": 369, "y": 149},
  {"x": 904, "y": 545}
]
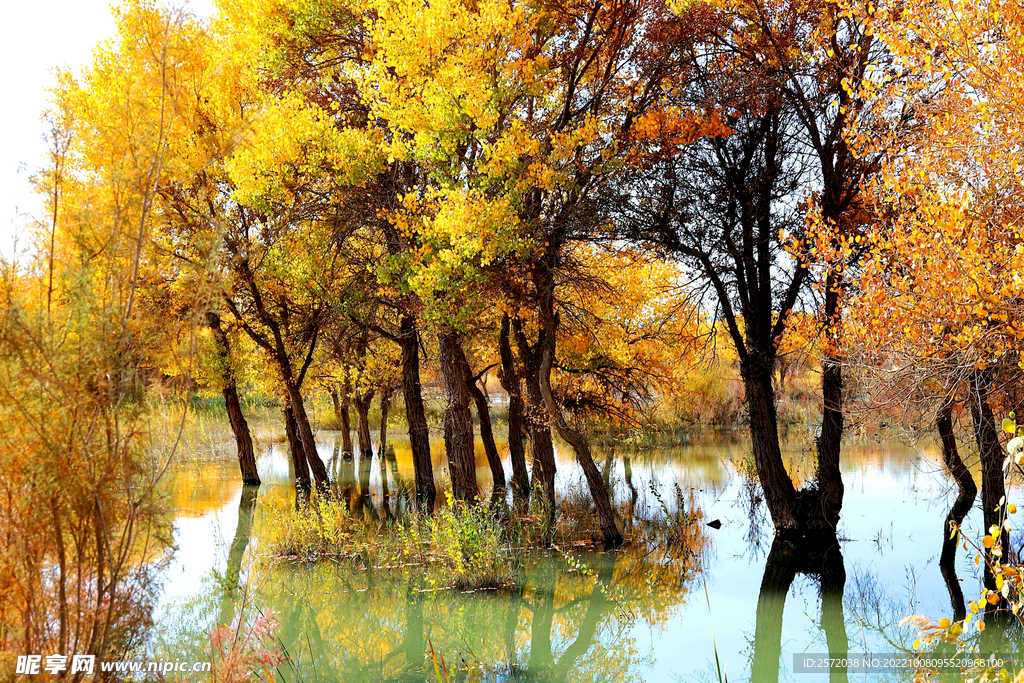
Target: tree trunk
[
  {"x": 346, "y": 421},
  {"x": 458, "y": 424},
  {"x": 955, "y": 465},
  {"x": 510, "y": 383},
  {"x": 385, "y": 407},
  {"x": 779, "y": 493},
  {"x": 830, "y": 479},
  {"x": 239, "y": 427},
  {"x": 295, "y": 447},
  {"x": 382, "y": 460},
  {"x": 576, "y": 439},
  {"x": 968, "y": 491},
  {"x": 543, "y": 451},
  {"x": 419, "y": 436},
  {"x": 305, "y": 434},
  {"x": 364, "y": 499},
  {"x": 992, "y": 486},
  {"x": 487, "y": 436},
  {"x": 361, "y": 402},
  {"x": 337, "y": 404}
]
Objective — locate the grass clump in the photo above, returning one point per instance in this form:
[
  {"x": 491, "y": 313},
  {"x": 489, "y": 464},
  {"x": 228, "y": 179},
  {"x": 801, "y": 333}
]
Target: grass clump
[{"x": 460, "y": 547}]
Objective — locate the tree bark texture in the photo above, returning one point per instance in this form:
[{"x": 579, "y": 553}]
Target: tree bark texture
[
  {"x": 830, "y": 480},
  {"x": 458, "y": 423},
  {"x": 510, "y": 383},
  {"x": 361, "y": 402},
  {"x": 295, "y": 447},
  {"x": 779, "y": 493},
  {"x": 346, "y": 420},
  {"x": 987, "y": 437},
  {"x": 416, "y": 417}
]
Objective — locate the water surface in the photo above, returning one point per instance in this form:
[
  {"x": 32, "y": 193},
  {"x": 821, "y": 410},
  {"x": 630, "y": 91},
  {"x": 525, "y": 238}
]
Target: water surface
[{"x": 629, "y": 616}]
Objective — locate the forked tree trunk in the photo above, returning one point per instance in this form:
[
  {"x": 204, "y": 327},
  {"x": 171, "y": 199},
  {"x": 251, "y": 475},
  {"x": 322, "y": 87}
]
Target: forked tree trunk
[
  {"x": 779, "y": 492},
  {"x": 385, "y": 408},
  {"x": 993, "y": 489},
  {"x": 361, "y": 402},
  {"x": 510, "y": 383},
  {"x": 239, "y": 427},
  {"x": 830, "y": 479},
  {"x": 416, "y": 417},
  {"x": 458, "y": 424}
]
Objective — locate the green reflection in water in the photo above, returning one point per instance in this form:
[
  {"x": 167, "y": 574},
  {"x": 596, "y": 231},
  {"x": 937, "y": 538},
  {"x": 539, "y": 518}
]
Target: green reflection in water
[{"x": 636, "y": 613}]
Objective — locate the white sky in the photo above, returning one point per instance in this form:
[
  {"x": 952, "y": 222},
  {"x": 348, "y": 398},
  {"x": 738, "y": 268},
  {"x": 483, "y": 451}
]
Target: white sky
[{"x": 36, "y": 37}]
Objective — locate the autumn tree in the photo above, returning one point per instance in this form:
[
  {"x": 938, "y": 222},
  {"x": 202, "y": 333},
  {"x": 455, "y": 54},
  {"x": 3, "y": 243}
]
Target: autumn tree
[
  {"x": 815, "y": 52},
  {"x": 80, "y": 522},
  {"x": 722, "y": 207},
  {"x": 940, "y": 287}
]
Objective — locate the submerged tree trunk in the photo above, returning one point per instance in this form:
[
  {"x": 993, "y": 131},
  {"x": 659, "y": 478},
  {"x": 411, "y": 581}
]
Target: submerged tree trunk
[
  {"x": 385, "y": 408},
  {"x": 305, "y": 434},
  {"x": 968, "y": 491},
  {"x": 346, "y": 420},
  {"x": 993, "y": 490},
  {"x": 486, "y": 431},
  {"x": 239, "y": 427},
  {"x": 362, "y": 402},
  {"x": 419, "y": 437},
  {"x": 458, "y": 424},
  {"x": 510, "y": 383},
  {"x": 779, "y": 492},
  {"x": 830, "y": 479},
  {"x": 295, "y": 447}
]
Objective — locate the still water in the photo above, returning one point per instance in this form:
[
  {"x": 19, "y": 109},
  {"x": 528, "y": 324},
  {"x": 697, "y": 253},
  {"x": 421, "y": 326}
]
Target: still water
[{"x": 632, "y": 616}]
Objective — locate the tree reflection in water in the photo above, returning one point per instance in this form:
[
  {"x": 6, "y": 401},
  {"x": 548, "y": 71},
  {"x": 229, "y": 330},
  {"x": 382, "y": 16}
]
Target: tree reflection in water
[
  {"x": 817, "y": 557},
  {"x": 561, "y": 623},
  {"x": 236, "y": 552}
]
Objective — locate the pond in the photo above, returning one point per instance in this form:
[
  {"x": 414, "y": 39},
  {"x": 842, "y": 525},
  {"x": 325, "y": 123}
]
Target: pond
[{"x": 627, "y": 615}]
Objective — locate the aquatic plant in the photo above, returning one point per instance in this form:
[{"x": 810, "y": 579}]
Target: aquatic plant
[{"x": 462, "y": 547}]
